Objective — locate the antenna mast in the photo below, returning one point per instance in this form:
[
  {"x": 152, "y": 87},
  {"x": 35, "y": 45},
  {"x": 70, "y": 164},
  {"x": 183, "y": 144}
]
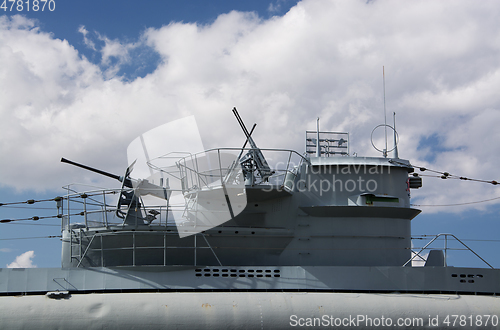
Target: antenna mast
[
  {"x": 396, "y": 155},
  {"x": 318, "y": 147},
  {"x": 385, "y": 115}
]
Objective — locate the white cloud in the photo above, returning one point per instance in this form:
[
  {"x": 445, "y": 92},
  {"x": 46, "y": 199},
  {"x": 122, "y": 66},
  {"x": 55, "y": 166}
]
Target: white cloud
[
  {"x": 87, "y": 41},
  {"x": 114, "y": 53},
  {"x": 276, "y": 6},
  {"x": 5, "y": 250},
  {"x": 23, "y": 261},
  {"x": 322, "y": 58},
  {"x": 117, "y": 52}
]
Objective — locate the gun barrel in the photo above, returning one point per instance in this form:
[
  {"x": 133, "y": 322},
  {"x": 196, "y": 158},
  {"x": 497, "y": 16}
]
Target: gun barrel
[
  {"x": 240, "y": 121},
  {"x": 114, "y": 176},
  {"x": 262, "y": 166},
  {"x": 244, "y": 128}
]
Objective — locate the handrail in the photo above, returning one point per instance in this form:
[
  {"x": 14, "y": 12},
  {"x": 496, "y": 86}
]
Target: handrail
[
  {"x": 192, "y": 175},
  {"x": 134, "y": 248},
  {"x": 445, "y": 249},
  {"x": 93, "y": 202},
  {"x": 153, "y": 166},
  {"x": 192, "y": 172},
  {"x": 247, "y": 149}
]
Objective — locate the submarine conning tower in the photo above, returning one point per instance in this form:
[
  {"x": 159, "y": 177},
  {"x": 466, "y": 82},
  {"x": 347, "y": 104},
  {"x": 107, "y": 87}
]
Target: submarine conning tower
[
  {"x": 321, "y": 208},
  {"x": 352, "y": 211}
]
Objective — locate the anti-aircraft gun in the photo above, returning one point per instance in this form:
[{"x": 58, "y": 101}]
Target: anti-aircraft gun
[
  {"x": 253, "y": 160},
  {"x": 130, "y": 194}
]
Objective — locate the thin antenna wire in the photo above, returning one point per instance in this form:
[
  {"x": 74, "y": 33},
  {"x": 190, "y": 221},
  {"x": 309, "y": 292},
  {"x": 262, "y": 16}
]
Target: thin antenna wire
[{"x": 385, "y": 115}]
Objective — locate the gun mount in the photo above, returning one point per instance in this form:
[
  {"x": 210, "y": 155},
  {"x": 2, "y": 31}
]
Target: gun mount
[
  {"x": 253, "y": 160},
  {"x": 130, "y": 193}
]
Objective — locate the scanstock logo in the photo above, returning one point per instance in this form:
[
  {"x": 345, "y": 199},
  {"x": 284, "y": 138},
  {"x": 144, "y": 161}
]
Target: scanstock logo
[{"x": 201, "y": 189}]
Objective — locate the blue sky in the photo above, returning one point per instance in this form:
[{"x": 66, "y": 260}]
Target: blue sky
[
  {"x": 83, "y": 81},
  {"x": 126, "y": 20}
]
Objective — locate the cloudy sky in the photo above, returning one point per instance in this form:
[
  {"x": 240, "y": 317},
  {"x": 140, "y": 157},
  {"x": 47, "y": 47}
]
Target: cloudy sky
[{"x": 83, "y": 81}]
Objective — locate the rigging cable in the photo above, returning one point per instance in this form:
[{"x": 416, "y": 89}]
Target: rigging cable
[
  {"x": 444, "y": 175},
  {"x": 11, "y": 239},
  {"x": 35, "y": 224},
  {"x": 447, "y": 175},
  {"x": 36, "y": 218},
  {"x": 56, "y": 199},
  {"x": 458, "y": 204},
  {"x": 33, "y": 201}
]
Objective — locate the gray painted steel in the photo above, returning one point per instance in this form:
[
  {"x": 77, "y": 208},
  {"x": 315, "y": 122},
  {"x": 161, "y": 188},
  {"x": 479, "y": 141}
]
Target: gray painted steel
[
  {"x": 325, "y": 236},
  {"x": 246, "y": 310},
  {"x": 302, "y": 278}
]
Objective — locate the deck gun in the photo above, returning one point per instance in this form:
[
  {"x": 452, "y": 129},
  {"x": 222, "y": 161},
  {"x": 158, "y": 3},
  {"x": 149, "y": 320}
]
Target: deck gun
[
  {"x": 130, "y": 192},
  {"x": 126, "y": 181},
  {"x": 254, "y": 159}
]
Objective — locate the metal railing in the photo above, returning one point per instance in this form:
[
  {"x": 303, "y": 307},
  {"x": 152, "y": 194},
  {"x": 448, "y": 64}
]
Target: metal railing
[
  {"x": 216, "y": 166},
  {"x": 445, "y": 249},
  {"x": 93, "y": 206},
  {"x": 79, "y": 251}
]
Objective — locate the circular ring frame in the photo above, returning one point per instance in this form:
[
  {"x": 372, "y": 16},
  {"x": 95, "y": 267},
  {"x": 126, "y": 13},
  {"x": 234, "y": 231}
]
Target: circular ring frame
[{"x": 397, "y": 138}]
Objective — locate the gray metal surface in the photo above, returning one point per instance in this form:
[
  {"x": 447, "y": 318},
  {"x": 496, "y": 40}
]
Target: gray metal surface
[
  {"x": 329, "y": 211},
  {"x": 247, "y": 310},
  {"x": 300, "y": 278},
  {"x": 319, "y": 236}
]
